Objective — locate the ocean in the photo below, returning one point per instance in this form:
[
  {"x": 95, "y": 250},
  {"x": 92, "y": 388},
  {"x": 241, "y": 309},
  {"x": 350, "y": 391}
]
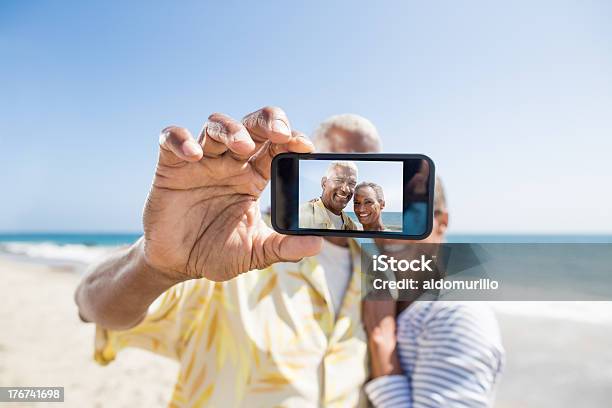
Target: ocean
[
  {"x": 83, "y": 248},
  {"x": 63, "y": 238},
  {"x": 80, "y": 243},
  {"x": 62, "y": 247}
]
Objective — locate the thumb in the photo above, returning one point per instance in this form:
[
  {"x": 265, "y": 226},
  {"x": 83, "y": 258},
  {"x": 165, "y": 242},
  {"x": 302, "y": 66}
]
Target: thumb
[{"x": 292, "y": 247}]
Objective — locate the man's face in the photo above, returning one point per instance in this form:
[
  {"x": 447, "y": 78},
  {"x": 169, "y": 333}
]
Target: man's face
[
  {"x": 343, "y": 141},
  {"x": 338, "y": 188}
]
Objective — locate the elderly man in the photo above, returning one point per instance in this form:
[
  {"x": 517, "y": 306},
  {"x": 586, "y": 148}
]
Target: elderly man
[
  {"x": 326, "y": 212},
  {"x": 248, "y": 328}
]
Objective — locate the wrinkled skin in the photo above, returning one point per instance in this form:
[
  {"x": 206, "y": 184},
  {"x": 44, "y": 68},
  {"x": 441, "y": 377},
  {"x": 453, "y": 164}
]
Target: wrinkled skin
[
  {"x": 338, "y": 189},
  {"x": 202, "y": 218}
]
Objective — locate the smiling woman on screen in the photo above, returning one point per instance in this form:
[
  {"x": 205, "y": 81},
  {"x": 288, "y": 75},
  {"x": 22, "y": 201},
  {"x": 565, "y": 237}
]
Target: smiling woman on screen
[{"x": 368, "y": 204}]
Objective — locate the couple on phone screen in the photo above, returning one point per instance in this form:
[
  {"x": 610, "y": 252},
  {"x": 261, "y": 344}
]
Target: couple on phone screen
[{"x": 339, "y": 186}]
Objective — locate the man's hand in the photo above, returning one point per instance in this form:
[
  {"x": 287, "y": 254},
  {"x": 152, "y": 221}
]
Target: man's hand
[
  {"x": 379, "y": 322},
  {"x": 202, "y": 217}
]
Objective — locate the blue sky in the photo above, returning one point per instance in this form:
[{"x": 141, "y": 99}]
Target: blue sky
[
  {"x": 388, "y": 175},
  {"x": 513, "y": 101}
]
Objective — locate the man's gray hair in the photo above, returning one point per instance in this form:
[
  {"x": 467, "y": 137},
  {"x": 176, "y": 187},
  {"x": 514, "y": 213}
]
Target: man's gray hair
[
  {"x": 335, "y": 164},
  {"x": 350, "y": 123},
  {"x": 380, "y": 195}
]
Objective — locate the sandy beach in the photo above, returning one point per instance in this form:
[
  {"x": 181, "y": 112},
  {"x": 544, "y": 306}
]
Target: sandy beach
[
  {"x": 550, "y": 361},
  {"x": 555, "y": 363},
  {"x": 43, "y": 343}
]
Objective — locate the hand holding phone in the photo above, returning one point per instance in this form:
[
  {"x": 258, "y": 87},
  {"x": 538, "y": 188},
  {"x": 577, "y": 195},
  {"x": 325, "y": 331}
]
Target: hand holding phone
[
  {"x": 204, "y": 199},
  {"x": 353, "y": 195}
]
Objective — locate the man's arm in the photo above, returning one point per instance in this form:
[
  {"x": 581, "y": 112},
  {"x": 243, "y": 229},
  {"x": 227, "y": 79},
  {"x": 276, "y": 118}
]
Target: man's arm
[
  {"x": 202, "y": 206},
  {"x": 117, "y": 291}
]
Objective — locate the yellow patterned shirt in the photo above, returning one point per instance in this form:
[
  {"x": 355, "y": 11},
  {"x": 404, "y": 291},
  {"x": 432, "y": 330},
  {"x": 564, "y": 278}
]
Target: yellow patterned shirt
[{"x": 268, "y": 338}]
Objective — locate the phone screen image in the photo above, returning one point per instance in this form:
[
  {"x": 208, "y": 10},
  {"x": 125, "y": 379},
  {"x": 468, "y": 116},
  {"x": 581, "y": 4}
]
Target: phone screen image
[{"x": 376, "y": 195}]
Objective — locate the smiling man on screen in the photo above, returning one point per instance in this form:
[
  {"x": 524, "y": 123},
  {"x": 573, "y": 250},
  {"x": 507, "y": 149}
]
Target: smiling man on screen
[{"x": 327, "y": 212}]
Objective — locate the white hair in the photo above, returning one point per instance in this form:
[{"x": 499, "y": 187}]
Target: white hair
[
  {"x": 335, "y": 164},
  {"x": 350, "y": 123},
  {"x": 439, "y": 196}
]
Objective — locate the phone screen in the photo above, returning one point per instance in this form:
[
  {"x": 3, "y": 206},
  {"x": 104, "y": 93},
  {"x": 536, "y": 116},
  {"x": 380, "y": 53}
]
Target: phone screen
[{"x": 375, "y": 195}]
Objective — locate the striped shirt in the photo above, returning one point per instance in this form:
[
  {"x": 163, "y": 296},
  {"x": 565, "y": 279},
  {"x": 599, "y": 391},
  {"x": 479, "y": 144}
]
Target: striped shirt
[{"x": 451, "y": 356}]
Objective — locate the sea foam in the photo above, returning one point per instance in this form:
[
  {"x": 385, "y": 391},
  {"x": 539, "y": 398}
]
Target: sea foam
[
  {"x": 594, "y": 312},
  {"x": 48, "y": 251}
]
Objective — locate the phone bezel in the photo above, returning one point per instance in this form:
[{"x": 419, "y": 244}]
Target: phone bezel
[{"x": 356, "y": 157}]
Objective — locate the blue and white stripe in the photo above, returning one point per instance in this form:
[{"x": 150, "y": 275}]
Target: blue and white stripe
[{"x": 451, "y": 355}]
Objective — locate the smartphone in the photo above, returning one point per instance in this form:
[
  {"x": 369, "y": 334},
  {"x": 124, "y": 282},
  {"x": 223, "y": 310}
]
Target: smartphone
[{"x": 373, "y": 195}]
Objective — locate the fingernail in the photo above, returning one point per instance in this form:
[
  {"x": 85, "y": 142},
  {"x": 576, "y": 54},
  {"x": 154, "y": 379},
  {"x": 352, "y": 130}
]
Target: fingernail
[
  {"x": 306, "y": 140},
  {"x": 242, "y": 138},
  {"x": 191, "y": 148},
  {"x": 280, "y": 126},
  {"x": 163, "y": 136}
]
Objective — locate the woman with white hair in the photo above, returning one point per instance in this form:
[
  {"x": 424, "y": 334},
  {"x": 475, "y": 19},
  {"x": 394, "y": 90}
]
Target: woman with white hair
[{"x": 368, "y": 203}]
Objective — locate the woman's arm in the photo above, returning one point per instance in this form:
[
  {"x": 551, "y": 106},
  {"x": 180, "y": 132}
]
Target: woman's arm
[
  {"x": 388, "y": 387},
  {"x": 459, "y": 356},
  {"x": 455, "y": 354}
]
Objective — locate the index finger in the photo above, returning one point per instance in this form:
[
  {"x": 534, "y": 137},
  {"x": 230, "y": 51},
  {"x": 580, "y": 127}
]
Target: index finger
[
  {"x": 222, "y": 133},
  {"x": 269, "y": 123}
]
